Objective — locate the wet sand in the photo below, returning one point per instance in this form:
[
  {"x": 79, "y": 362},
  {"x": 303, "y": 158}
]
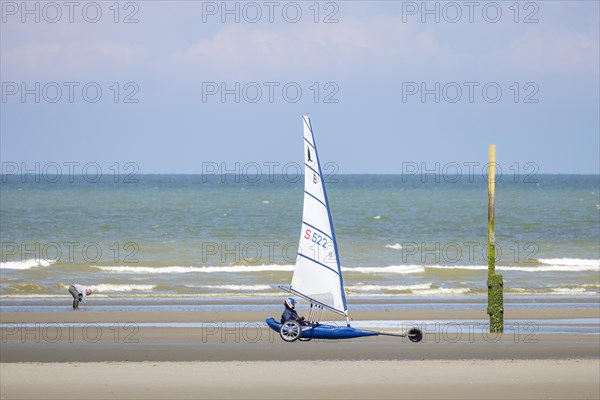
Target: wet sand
[{"x": 232, "y": 355}]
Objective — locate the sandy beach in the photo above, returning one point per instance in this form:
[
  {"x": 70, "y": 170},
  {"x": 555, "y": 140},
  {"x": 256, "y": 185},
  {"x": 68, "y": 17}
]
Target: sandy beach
[
  {"x": 425, "y": 379},
  {"x": 157, "y": 354}
]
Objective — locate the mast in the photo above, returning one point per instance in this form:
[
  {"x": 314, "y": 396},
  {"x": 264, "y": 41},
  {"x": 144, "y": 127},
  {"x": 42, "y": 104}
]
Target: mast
[
  {"x": 317, "y": 274},
  {"x": 335, "y": 249}
]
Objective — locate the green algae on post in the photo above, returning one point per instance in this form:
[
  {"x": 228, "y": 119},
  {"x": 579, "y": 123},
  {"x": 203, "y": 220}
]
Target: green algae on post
[{"x": 494, "y": 282}]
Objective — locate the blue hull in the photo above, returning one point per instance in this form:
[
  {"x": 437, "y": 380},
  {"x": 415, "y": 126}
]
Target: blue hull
[{"x": 312, "y": 331}]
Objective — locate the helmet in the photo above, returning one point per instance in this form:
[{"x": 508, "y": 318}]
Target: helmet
[{"x": 290, "y": 303}]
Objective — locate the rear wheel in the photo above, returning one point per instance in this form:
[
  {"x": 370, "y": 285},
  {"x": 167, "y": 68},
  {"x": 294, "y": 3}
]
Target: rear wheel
[
  {"x": 415, "y": 335},
  {"x": 290, "y": 331}
]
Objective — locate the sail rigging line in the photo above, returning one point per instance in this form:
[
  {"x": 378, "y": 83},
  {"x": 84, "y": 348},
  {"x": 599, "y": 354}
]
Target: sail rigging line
[
  {"x": 319, "y": 313},
  {"x": 312, "y": 169},
  {"x": 314, "y": 315},
  {"x": 313, "y": 196},
  {"x": 325, "y": 306},
  {"x": 317, "y": 262}
]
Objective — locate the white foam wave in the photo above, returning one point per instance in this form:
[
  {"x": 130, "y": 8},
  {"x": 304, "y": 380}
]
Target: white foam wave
[
  {"x": 419, "y": 289},
  {"x": 467, "y": 267},
  {"x": 570, "y": 291},
  {"x": 509, "y": 268},
  {"x": 395, "y": 288},
  {"x": 26, "y": 264},
  {"x": 235, "y": 288},
  {"x": 552, "y": 268},
  {"x": 442, "y": 291},
  {"x": 392, "y": 269},
  {"x": 396, "y": 246},
  {"x": 183, "y": 270},
  {"x": 577, "y": 262},
  {"x": 106, "y": 287}
]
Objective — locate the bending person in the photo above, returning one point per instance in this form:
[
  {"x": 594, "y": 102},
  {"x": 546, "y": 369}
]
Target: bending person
[{"x": 79, "y": 294}]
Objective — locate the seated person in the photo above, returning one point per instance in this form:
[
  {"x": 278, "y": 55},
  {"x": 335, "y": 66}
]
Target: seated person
[{"x": 289, "y": 314}]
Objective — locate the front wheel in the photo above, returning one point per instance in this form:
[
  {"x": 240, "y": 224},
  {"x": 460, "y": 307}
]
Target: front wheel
[{"x": 290, "y": 331}]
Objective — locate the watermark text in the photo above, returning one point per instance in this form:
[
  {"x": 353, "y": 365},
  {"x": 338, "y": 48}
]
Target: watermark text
[
  {"x": 69, "y": 252},
  {"x": 70, "y": 92},
  {"x": 267, "y": 171},
  {"x": 69, "y": 171},
  {"x": 470, "y": 92},
  {"x": 252, "y": 12},
  {"x": 52, "y": 12},
  {"x": 270, "y": 92}
]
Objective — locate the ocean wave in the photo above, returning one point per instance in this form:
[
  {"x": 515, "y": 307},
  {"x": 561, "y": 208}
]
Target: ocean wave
[
  {"x": 107, "y": 287},
  {"x": 467, "y": 267},
  {"x": 396, "y": 246},
  {"x": 442, "y": 291},
  {"x": 26, "y": 287},
  {"x": 389, "y": 288},
  {"x": 392, "y": 269},
  {"x": 27, "y": 264},
  {"x": 580, "y": 290},
  {"x": 577, "y": 262},
  {"x": 512, "y": 268},
  {"x": 552, "y": 268},
  {"x": 183, "y": 270},
  {"x": 419, "y": 290},
  {"x": 235, "y": 288},
  {"x": 570, "y": 291}
]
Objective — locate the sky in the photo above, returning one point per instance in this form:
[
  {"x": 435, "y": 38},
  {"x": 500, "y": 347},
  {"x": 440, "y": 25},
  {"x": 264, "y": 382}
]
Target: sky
[{"x": 392, "y": 87}]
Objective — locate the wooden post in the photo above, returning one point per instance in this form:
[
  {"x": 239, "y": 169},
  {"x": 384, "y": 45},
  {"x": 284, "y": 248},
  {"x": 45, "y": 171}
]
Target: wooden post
[{"x": 495, "y": 283}]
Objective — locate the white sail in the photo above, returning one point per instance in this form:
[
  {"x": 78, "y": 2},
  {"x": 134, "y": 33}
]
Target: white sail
[{"x": 317, "y": 274}]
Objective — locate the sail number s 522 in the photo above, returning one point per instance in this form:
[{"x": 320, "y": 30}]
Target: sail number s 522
[{"x": 316, "y": 238}]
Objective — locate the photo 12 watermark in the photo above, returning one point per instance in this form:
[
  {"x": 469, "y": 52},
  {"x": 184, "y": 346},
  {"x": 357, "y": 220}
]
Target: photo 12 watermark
[
  {"x": 253, "y": 12},
  {"x": 53, "y": 12},
  {"x": 470, "y": 92},
  {"x": 453, "y": 12},
  {"x": 270, "y": 92},
  {"x": 70, "y": 92},
  {"x": 261, "y": 172},
  {"x": 469, "y": 171},
  {"x": 249, "y": 253},
  {"x": 474, "y": 331},
  {"x": 466, "y": 252},
  {"x": 54, "y": 332},
  {"x": 69, "y": 172},
  {"x": 69, "y": 252}
]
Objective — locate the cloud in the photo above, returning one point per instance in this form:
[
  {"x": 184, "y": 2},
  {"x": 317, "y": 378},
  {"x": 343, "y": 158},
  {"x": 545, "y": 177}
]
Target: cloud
[
  {"x": 556, "y": 52},
  {"x": 56, "y": 58},
  {"x": 365, "y": 42},
  {"x": 244, "y": 50}
]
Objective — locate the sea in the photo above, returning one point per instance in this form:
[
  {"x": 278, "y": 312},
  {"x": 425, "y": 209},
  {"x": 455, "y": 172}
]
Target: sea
[{"x": 222, "y": 236}]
